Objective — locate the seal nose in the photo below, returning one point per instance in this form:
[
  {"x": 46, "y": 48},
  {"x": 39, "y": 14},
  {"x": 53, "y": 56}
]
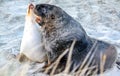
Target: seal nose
[
  {"x": 40, "y": 10},
  {"x": 38, "y": 7}
]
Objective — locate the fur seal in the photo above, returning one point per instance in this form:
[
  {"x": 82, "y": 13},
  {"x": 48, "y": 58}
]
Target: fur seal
[
  {"x": 58, "y": 30},
  {"x": 31, "y": 46}
]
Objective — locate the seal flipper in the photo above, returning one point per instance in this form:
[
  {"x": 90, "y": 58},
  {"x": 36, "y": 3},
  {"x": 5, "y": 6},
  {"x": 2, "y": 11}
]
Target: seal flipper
[{"x": 109, "y": 51}]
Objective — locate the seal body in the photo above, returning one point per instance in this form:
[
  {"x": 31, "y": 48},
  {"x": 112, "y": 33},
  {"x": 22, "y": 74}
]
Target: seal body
[
  {"x": 31, "y": 45},
  {"x": 58, "y": 32}
]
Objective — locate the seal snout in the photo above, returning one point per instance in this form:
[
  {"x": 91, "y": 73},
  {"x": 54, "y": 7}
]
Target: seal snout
[
  {"x": 40, "y": 12},
  {"x": 38, "y": 17}
]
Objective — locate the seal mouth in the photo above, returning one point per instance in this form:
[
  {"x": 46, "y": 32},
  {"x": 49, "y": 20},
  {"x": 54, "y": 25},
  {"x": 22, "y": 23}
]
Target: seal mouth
[
  {"x": 39, "y": 15},
  {"x": 38, "y": 19}
]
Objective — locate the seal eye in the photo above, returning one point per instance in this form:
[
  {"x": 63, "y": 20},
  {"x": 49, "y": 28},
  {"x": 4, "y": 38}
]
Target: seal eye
[{"x": 52, "y": 16}]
